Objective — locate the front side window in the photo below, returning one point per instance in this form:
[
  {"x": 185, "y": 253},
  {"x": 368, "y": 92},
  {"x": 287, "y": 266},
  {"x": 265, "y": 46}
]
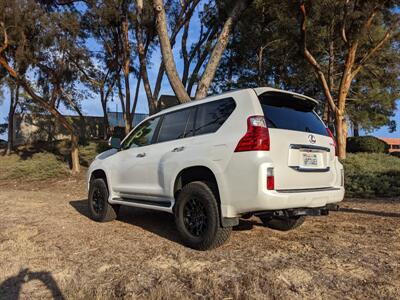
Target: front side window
[
  {"x": 141, "y": 136},
  {"x": 175, "y": 125},
  {"x": 212, "y": 115}
]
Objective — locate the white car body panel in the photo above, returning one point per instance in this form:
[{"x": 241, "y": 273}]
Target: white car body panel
[{"x": 241, "y": 177}]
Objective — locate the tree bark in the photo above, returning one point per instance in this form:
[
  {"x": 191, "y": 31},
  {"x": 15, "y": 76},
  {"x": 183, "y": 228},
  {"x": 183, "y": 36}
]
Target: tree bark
[
  {"x": 106, "y": 124},
  {"x": 213, "y": 62},
  {"x": 126, "y": 66},
  {"x": 14, "y": 95},
  {"x": 74, "y": 154},
  {"x": 142, "y": 51},
  {"x": 167, "y": 55}
]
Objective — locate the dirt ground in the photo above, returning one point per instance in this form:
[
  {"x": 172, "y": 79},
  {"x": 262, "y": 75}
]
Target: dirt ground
[{"x": 50, "y": 248}]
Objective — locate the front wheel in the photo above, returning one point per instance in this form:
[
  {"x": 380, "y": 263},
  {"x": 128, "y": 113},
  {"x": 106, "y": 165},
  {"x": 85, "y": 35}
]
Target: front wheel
[
  {"x": 197, "y": 217},
  {"x": 99, "y": 208},
  {"x": 282, "y": 223}
]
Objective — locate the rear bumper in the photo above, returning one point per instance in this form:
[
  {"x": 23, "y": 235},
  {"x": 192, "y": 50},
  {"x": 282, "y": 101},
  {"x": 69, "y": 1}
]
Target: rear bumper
[{"x": 278, "y": 200}]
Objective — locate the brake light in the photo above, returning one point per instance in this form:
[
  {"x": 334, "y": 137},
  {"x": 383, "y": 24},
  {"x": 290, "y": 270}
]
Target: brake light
[
  {"x": 333, "y": 139},
  {"x": 270, "y": 179},
  {"x": 256, "y": 137}
]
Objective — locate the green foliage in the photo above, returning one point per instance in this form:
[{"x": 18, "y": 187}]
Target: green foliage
[
  {"x": 39, "y": 166},
  {"x": 369, "y": 144},
  {"x": 45, "y": 161},
  {"x": 88, "y": 152},
  {"x": 369, "y": 175},
  {"x": 395, "y": 154}
]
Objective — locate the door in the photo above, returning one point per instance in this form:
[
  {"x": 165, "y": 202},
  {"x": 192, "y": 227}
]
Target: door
[
  {"x": 131, "y": 164},
  {"x": 302, "y": 150},
  {"x": 170, "y": 148}
]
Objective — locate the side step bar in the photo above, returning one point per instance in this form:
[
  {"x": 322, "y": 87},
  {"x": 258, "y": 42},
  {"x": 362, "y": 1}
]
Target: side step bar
[{"x": 146, "y": 202}]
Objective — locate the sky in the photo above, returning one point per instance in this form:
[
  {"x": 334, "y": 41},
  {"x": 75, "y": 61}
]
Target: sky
[{"x": 92, "y": 105}]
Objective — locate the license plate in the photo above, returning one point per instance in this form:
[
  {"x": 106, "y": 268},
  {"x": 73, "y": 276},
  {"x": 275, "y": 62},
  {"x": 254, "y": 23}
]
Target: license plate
[{"x": 310, "y": 159}]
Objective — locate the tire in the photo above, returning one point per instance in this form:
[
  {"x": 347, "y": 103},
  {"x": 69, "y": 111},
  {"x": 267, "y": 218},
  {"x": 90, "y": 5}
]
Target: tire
[
  {"x": 197, "y": 217},
  {"x": 99, "y": 208},
  {"x": 282, "y": 223}
]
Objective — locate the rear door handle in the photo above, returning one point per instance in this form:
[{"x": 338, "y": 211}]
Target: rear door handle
[
  {"x": 178, "y": 149},
  {"x": 141, "y": 155}
]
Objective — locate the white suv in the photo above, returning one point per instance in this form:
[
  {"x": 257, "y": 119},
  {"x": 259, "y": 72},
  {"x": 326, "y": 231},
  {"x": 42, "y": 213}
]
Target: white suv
[{"x": 262, "y": 152}]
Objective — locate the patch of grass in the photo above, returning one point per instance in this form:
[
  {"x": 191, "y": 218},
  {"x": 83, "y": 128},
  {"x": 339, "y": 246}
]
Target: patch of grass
[
  {"x": 88, "y": 152},
  {"x": 39, "y": 166},
  {"x": 370, "y": 175},
  {"x": 41, "y": 161}
]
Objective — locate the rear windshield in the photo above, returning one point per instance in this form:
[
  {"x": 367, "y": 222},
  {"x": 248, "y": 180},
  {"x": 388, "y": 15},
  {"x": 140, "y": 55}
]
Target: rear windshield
[{"x": 287, "y": 112}]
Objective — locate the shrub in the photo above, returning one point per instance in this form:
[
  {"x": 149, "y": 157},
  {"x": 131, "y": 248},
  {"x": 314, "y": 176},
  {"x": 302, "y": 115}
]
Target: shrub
[
  {"x": 372, "y": 175},
  {"x": 395, "y": 154},
  {"x": 369, "y": 144},
  {"x": 39, "y": 166}
]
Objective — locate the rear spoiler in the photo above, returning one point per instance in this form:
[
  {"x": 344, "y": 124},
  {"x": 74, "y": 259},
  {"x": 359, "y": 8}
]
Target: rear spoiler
[{"x": 272, "y": 91}]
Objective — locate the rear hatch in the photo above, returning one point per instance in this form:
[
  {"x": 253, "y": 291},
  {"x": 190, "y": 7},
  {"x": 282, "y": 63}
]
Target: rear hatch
[{"x": 301, "y": 148}]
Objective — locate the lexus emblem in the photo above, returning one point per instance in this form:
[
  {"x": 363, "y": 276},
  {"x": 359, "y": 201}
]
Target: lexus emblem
[{"x": 312, "y": 139}]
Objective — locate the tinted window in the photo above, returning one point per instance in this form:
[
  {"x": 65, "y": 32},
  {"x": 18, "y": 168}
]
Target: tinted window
[
  {"x": 174, "y": 125},
  {"x": 211, "y": 116},
  {"x": 141, "y": 136},
  {"x": 286, "y": 112}
]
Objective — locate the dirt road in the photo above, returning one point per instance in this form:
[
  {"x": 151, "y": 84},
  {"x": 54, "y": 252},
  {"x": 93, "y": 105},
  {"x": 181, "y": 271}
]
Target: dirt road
[{"x": 49, "y": 247}]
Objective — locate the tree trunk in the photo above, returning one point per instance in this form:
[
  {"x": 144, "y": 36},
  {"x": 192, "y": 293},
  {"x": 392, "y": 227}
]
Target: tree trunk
[
  {"x": 74, "y": 154},
  {"x": 142, "y": 51},
  {"x": 11, "y": 113},
  {"x": 341, "y": 135},
  {"x": 167, "y": 55},
  {"x": 213, "y": 62},
  {"x": 106, "y": 124},
  {"x": 355, "y": 129}
]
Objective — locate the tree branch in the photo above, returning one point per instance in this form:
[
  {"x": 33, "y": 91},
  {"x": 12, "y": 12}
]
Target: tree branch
[
  {"x": 365, "y": 58},
  {"x": 312, "y": 61}
]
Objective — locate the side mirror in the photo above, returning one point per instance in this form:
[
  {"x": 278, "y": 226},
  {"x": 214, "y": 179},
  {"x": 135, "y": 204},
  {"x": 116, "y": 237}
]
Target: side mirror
[{"x": 114, "y": 143}]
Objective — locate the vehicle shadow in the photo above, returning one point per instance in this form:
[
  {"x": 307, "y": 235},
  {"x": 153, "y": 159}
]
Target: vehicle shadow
[
  {"x": 11, "y": 287},
  {"x": 157, "y": 222},
  {"x": 370, "y": 212}
]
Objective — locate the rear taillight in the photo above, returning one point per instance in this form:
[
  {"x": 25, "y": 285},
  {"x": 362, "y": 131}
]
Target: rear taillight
[
  {"x": 333, "y": 139},
  {"x": 256, "y": 137},
  {"x": 270, "y": 179}
]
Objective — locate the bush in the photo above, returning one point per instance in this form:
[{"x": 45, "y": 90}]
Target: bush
[
  {"x": 39, "y": 166},
  {"x": 368, "y": 144},
  {"x": 395, "y": 154},
  {"x": 370, "y": 175}
]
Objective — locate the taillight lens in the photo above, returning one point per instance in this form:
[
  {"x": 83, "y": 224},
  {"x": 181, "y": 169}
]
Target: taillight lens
[
  {"x": 256, "y": 137},
  {"x": 333, "y": 139}
]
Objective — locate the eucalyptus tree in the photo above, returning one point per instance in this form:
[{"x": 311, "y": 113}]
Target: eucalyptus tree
[
  {"x": 36, "y": 43},
  {"x": 214, "y": 53},
  {"x": 364, "y": 27},
  {"x": 267, "y": 49}
]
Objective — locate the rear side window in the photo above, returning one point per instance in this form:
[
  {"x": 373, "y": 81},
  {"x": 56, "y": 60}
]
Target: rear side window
[
  {"x": 212, "y": 115},
  {"x": 175, "y": 124},
  {"x": 291, "y": 113}
]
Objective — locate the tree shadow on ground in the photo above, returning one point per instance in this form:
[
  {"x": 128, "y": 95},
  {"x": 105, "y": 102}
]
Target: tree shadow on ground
[
  {"x": 370, "y": 212},
  {"x": 157, "y": 222},
  {"x": 11, "y": 288}
]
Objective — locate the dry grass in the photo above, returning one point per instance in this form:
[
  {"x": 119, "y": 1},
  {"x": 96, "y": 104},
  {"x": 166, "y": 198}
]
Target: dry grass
[{"x": 49, "y": 247}]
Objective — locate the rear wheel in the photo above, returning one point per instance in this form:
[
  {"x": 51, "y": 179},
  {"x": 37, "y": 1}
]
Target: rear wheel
[
  {"x": 99, "y": 208},
  {"x": 282, "y": 223},
  {"x": 197, "y": 217}
]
